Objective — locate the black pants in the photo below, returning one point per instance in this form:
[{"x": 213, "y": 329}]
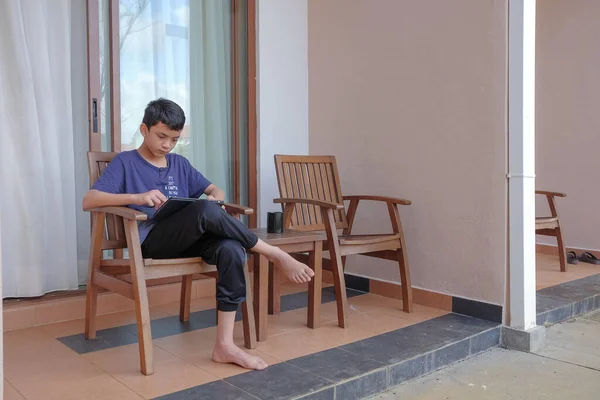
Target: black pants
[{"x": 204, "y": 229}]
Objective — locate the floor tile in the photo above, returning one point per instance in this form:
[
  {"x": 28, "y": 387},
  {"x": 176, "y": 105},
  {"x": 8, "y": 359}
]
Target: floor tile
[
  {"x": 196, "y": 348},
  {"x": 171, "y": 374},
  {"x": 99, "y": 388},
  {"x": 485, "y": 340},
  {"x": 210, "y": 391},
  {"x": 18, "y": 317},
  {"x": 396, "y": 346},
  {"x": 10, "y": 393},
  {"x": 363, "y": 386},
  {"x": 393, "y": 307},
  {"x": 290, "y": 321},
  {"x": 31, "y": 344},
  {"x": 336, "y": 365},
  {"x": 291, "y": 345},
  {"x": 545, "y": 303},
  {"x": 203, "y": 360},
  {"x": 49, "y": 373},
  {"x": 105, "y": 339},
  {"x": 105, "y": 321},
  {"x": 324, "y": 394},
  {"x": 332, "y": 335},
  {"x": 281, "y": 381},
  {"x": 410, "y": 369}
]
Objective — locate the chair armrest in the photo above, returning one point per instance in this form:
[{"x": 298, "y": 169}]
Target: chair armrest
[
  {"x": 125, "y": 212},
  {"x": 546, "y": 193},
  {"x": 320, "y": 203},
  {"x": 393, "y": 200},
  {"x": 237, "y": 209}
]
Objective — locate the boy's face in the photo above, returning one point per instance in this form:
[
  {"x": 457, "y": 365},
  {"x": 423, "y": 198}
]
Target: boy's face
[{"x": 159, "y": 139}]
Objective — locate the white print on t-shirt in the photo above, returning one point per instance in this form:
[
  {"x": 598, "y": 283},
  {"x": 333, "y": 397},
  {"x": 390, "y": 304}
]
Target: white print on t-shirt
[{"x": 171, "y": 187}]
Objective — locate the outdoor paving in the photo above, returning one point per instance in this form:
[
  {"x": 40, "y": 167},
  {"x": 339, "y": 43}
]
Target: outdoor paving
[{"x": 567, "y": 367}]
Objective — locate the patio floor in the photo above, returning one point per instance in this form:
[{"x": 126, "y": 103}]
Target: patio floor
[
  {"x": 383, "y": 347},
  {"x": 53, "y": 361},
  {"x": 548, "y": 271}
]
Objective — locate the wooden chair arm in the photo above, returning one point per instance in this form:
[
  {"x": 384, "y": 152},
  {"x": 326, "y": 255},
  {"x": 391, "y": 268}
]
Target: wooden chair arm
[
  {"x": 320, "y": 203},
  {"x": 237, "y": 209},
  {"x": 554, "y": 194},
  {"x": 393, "y": 200},
  {"x": 125, "y": 212}
]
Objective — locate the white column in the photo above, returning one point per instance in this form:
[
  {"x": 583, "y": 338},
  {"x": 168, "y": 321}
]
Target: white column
[
  {"x": 1, "y": 324},
  {"x": 521, "y": 163}
]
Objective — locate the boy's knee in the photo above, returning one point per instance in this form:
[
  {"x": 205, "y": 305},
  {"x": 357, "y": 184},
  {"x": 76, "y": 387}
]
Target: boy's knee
[{"x": 233, "y": 251}]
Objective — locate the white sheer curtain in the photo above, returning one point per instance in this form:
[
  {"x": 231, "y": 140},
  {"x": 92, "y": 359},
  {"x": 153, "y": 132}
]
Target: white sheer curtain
[
  {"x": 37, "y": 199},
  {"x": 211, "y": 96},
  {"x": 181, "y": 50}
]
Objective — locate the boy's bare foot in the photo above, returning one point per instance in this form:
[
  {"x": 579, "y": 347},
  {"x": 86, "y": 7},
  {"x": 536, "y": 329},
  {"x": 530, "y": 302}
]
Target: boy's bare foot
[
  {"x": 230, "y": 353},
  {"x": 293, "y": 269}
]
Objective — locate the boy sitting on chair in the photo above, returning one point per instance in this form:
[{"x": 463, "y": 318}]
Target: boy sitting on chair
[{"x": 142, "y": 178}]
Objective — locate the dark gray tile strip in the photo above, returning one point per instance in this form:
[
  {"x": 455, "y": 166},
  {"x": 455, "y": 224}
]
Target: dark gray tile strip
[
  {"x": 280, "y": 381},
  {"x": 567, "y": 300},
  {"x": 357, "y": 282},
  {"x": 364, "y": 386},
  {"x": 325, "y": 394},
  {"x": 215, "y": 390},
  {"x": 169, "y": 326},
  {"x": 340, "y": 373},
  {"x": 477, "y": 309}
]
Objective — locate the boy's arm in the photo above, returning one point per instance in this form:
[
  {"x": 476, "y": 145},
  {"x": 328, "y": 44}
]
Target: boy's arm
[
  {"x": 109, "y": 190},
  {"x": 96, "y": 198},
  {"x": 213, "y": 192}
]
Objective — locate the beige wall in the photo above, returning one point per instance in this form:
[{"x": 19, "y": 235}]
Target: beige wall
[
  {"x": 568, "y": 115},
  {"x": 410, "y": 96}
]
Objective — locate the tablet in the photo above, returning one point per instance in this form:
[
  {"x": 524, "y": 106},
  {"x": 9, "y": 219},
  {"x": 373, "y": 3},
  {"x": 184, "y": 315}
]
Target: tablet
[{"x": 174, "y": 204}]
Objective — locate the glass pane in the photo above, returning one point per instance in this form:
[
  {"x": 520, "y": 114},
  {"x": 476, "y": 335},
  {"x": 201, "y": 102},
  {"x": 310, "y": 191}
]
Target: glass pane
[
  {"x": 241, "y": 41},
  {"x": 104, "y": 75},
  {"x": 181, "y": 50}
]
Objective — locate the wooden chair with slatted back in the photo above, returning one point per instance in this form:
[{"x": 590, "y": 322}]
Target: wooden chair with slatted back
[
  {"x": 116, "y": 228},
  {"x": 312, "y": 200},
  {"x": 550, "y": 226}
]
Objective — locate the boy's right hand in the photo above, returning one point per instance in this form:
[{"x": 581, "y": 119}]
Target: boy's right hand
[{"x": 153, "y": 198}]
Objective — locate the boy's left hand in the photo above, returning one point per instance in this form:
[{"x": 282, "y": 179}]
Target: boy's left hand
[{"x": 211, "y": 197}]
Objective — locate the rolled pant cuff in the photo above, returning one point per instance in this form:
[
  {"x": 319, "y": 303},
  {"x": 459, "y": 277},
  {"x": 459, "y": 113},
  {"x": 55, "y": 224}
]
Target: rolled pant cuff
[{"x": 227, "y": 307}]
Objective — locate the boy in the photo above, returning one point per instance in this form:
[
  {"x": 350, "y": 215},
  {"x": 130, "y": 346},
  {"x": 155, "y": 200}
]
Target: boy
[{"x": 142, "y": 179}]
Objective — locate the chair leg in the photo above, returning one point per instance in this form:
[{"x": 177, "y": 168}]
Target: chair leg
[
  {"x": 140, "y": 297},
  {"x": 407, "y": 303},
  {"x": 337, "y": 268},
  {"x": 91, "y": 299},
  {"x": 274, "y": 289},
  {"x": 248, "y": 313},
  {"x": 91, "y": 310},
  {"x": 314, "y": 287},
  {"x": 562, "y": 251},
  {"x": 186, "y": 298},
  {"x": 144, "y": 332}
]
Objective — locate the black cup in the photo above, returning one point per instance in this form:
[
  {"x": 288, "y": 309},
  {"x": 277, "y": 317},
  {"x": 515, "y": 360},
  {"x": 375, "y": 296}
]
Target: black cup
[{"x": 275, "y": 222}]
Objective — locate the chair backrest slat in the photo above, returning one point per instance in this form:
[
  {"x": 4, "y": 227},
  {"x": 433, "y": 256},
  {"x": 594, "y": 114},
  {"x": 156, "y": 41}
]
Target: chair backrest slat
[
  {"x": 114, "y": 227},
  {"x": 310, "y": 177}
]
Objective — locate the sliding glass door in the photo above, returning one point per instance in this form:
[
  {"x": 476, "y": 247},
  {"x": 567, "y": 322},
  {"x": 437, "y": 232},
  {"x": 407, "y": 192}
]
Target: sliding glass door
[
  {"x": 194, "y": 52},
  {"x": 198, "y": 53}
]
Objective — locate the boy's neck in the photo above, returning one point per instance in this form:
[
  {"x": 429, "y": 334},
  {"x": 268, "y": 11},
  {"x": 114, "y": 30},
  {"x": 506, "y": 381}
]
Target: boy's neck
[{"x": 151, "y": 158}]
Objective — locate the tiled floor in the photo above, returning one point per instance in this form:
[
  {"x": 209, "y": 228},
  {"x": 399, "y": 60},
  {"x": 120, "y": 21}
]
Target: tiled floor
[
  {"x": 52, "y": 362},
  {"x": 548, "y": 271}
]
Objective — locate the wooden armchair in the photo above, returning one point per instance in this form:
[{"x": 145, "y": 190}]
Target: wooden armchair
[
  {"x": 312, "y": 200},
  {"x": 115, "y": 228},
  {"x": 550, "y": 226}
]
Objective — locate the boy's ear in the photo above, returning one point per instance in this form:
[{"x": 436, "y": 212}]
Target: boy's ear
[{"x": 143, "y": 129}]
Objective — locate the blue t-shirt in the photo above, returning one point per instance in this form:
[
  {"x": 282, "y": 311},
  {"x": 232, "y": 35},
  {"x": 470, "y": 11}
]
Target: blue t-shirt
[{"x": 130, "y": 173}]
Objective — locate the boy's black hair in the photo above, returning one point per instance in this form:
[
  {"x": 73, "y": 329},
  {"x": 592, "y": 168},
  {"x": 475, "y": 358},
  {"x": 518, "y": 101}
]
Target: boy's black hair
[{"x": 166, "y": 111}]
